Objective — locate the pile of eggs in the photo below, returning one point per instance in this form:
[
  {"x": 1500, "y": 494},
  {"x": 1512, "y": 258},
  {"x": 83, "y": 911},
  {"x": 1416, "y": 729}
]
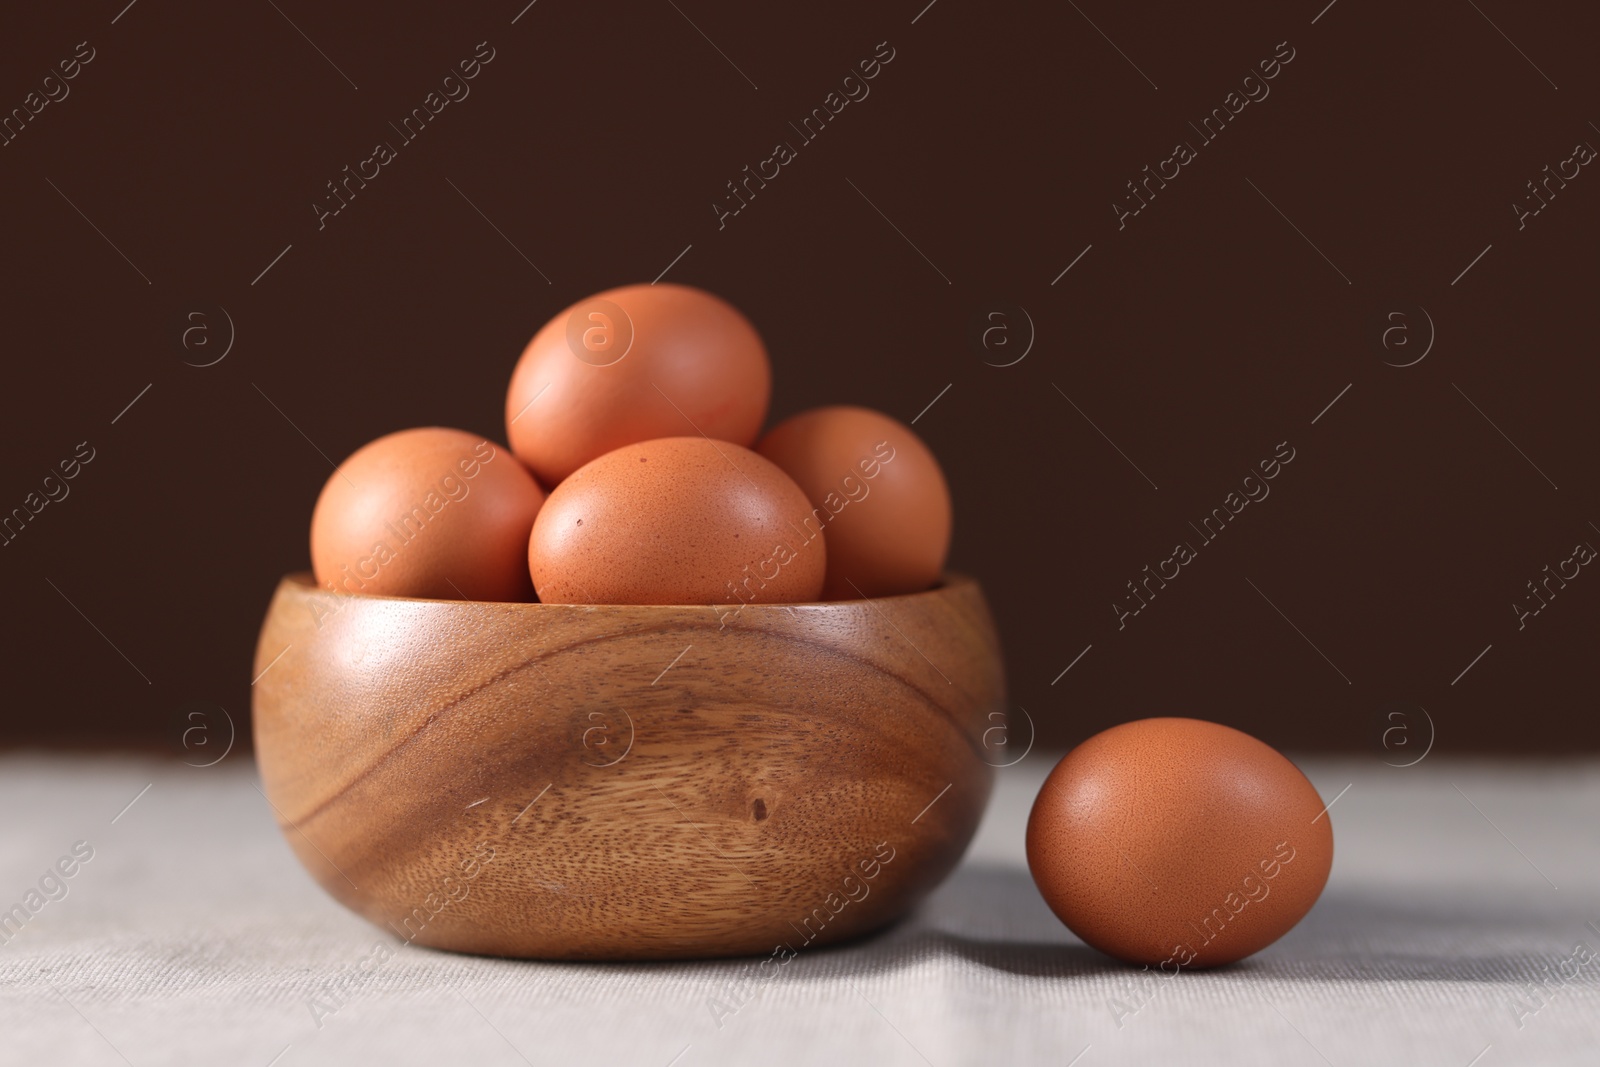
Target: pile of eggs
[{"x": 637, "y": 474}]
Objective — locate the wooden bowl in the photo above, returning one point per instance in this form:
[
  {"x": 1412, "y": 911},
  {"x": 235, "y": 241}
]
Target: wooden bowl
[{"x": 627, "y": 781}]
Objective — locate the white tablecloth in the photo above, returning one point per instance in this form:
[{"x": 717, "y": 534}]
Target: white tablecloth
[{"x": 193, "y": 937}]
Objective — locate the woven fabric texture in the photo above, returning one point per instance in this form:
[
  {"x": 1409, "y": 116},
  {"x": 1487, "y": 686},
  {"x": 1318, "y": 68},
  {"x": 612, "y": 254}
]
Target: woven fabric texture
[{"x": 1446, "y": 936}]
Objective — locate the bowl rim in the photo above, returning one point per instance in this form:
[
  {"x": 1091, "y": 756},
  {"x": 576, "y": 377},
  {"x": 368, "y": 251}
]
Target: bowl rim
[{"x": 950, "y": 582}]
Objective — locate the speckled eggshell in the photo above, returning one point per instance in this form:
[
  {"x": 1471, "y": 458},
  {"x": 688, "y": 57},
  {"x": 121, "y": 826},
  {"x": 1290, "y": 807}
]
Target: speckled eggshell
[
  {"x": 879, "y": 491},
  {"x": 1177, "y": 843},
  {"x": 430, "y": 512},
  {"x": 677, "y": 520},
  {"x": 632, "y": 364}
]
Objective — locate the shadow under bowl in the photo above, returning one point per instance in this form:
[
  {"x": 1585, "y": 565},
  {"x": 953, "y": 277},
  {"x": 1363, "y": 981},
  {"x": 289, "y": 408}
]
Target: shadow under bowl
[{"x": 627, "y": 781}]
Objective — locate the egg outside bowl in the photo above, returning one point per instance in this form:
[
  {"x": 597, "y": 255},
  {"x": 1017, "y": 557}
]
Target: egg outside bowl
[{"x": 627, "y": 781}]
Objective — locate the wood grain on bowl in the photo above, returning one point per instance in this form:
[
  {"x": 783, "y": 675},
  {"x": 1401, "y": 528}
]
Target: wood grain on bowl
[{"x": 627, "y": 782}]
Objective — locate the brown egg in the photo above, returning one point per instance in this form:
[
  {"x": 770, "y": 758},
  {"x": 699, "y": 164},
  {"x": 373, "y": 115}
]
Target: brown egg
[
  {"x": 633, "y": 364},
  {"x": 678, "y": 520},
  {"x": 1178, "y": 843},
  {"x": 430, "y": 512},
  {"x": 877, "y": 490}
]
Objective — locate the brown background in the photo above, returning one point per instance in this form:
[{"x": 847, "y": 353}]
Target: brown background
[{"x": 1197, "y": 338}]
